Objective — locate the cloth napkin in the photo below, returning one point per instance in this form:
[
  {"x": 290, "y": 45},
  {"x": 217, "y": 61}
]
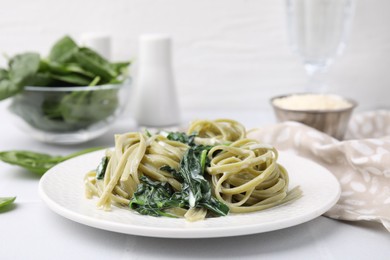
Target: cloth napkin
[{"x": 361, "y": 162}]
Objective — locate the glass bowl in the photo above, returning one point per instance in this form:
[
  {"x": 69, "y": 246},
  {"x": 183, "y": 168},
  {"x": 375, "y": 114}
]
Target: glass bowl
[
  {"x": 69, "y": 115},
  {"x": 333, "y": 122}
]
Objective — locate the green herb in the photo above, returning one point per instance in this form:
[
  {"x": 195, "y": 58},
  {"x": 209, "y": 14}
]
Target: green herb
[
  {"x": 38, "y": 162},
  {"x": 67, "y": 65},
  {"x": 4, "y": 201}
]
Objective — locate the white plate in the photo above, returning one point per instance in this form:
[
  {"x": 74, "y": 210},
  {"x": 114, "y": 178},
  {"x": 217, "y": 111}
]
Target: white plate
[{"x": 62, "y": 189}]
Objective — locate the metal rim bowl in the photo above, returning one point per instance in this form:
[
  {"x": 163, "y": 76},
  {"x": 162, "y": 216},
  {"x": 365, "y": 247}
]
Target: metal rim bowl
[{"x": 333, "y": 122}]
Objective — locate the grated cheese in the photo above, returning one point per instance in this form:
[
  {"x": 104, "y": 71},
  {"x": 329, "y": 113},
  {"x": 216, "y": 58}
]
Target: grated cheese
[{"x": 312, "y": 102}]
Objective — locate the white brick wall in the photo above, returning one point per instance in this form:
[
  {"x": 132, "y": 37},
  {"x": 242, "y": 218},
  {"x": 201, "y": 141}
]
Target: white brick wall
[{"x": 228, "y": 53}]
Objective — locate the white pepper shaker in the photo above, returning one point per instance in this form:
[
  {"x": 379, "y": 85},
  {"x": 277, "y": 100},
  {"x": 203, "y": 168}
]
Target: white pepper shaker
[{"x": 156, "y": 103}]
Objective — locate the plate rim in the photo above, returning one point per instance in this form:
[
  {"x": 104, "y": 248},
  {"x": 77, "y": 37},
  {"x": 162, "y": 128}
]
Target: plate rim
[{"x": 166, "y": 232}]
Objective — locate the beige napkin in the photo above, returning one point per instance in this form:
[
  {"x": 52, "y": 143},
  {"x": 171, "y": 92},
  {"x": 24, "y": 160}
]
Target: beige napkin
[{"x": 361, "y": 163}]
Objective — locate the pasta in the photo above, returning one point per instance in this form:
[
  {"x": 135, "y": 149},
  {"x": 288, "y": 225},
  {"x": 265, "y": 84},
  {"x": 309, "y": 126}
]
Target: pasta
[{"x": 211, "y": 170}]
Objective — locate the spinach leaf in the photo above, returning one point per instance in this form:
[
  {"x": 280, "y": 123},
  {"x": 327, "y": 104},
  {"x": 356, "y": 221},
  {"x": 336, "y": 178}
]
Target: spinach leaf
[
  {"x": 152, "y": 198},
  {"x": 89, "y": 106},
  {"x": 3, "y": 74},
  {"x": 22, "y": 67},
  {"x": 101, "y": 169},
  {"x": 66, "y": 112},
  {"x": 196, "y": 188},
  {"x": 120, "y": 67},
  {"x": 93, "y": 62},
  {"x": 42, "y": 79},
  {"x": 95, "y": 81},
  {"x": 73, "y": 79},
  {"x": 63, "y": 50},
  {"x": 68, "y": 68},
  {"x": 182, "y": 137},
  {"x": 4, "y": 201},
  {"x": 8, "y": 89},
  {"x": 67, "y": 65},
  {"x": 37, "y": 162}
]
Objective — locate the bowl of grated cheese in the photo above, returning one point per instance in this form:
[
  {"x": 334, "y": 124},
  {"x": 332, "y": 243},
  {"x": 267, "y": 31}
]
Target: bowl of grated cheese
[{"x": 325, "y": 112}]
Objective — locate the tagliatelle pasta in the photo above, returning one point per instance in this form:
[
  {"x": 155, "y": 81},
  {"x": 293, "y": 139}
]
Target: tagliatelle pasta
[
  {"x": 211, "y": 170},
  {"x": 247, "y": 177}
]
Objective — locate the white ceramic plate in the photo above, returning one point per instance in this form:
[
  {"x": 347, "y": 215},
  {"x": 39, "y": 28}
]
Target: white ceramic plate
[{"x": 62, "y": 189}]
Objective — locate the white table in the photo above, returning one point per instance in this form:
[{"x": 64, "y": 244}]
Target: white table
[{"x": 32, "y": 231}]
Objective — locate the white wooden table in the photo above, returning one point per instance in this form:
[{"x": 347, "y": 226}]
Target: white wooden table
[{"x": 32, "y": 231}]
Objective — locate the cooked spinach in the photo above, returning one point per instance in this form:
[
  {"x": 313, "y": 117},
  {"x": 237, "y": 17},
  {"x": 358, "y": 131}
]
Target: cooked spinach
[
  {"x": 182, "y": 137},
  {"x": 38, "y": 162},
  {"x": 101, "y": 169},
  {"x": 196, "y": 189},
  {"x": 67, "y": 65},
  {"x": 4, "y": 201},
  {"x": 152, "y": 198}
]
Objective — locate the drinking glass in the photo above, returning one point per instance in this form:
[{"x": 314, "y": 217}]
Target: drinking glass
[{"x": 318, "y": 30}]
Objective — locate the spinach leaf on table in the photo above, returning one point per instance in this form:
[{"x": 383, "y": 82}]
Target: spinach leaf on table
[
  {"x": 4, "y": 201},
  {"x": 38, "y": 162}
]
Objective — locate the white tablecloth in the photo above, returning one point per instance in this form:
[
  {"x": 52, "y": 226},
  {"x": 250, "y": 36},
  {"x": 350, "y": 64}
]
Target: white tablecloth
[{"x": 32, "y": 231}]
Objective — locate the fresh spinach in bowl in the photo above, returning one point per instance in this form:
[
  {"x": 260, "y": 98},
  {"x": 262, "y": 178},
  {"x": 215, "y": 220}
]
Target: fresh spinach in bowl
[
  {"x": 68, "y": 65},
  {"x": 66, "y": 111}
]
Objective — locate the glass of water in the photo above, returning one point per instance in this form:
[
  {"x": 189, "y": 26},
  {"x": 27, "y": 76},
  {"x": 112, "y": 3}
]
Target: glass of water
[{"x": 318, "y": 30}]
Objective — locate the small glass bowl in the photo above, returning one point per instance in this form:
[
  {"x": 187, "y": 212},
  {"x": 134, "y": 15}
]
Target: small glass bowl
[
  {"x": 69, "y": 115},
  {"x": 333, "y": 122}
]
